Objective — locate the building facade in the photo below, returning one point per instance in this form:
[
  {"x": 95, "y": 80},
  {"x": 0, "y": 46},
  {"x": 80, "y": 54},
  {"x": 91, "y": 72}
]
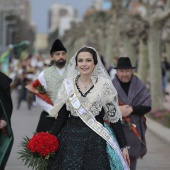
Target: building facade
[
  {"x": 14, "y": 14},
  {"x": 60, "y": 18}
]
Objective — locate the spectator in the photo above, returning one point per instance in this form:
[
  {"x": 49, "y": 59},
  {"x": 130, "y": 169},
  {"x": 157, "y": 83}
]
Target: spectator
[
  {"x": 135, "y": 102},
  {"x": 165, "y": 65},
  {"x": 111, "y": 70}
]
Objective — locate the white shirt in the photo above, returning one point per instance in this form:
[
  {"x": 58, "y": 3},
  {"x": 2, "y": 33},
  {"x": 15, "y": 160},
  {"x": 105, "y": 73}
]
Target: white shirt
[{"x": 44, "y": 105}]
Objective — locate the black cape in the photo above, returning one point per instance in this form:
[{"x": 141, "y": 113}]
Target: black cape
[{"x": 6, "y": 107}]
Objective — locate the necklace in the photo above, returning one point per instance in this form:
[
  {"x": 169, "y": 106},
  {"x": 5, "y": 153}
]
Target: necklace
[
  {"x": 82, "y": 94},
  {"x": 85, "y": 85},
  {"x": 83, "y": 97}
]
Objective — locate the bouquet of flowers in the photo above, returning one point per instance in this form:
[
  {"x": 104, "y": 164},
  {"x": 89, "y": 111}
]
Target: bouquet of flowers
[
  {"x": 38, "y": 89},
  {"x": 39, "y": 151}
]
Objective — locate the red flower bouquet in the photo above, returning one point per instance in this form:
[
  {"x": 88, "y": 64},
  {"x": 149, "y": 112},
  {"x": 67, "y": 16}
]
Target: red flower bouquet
[
  {"x": 38, "y": 89},
  {"x": 39, "y": 151}
]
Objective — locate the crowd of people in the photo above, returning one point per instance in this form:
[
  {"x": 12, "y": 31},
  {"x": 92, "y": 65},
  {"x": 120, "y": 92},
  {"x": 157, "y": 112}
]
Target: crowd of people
[
  {"x": 107, "y": 104},
  {"x": 22, "y": 73}
]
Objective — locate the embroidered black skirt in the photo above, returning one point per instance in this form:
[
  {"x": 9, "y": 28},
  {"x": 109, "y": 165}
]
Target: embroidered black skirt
[{"x": 80, "y": 148}]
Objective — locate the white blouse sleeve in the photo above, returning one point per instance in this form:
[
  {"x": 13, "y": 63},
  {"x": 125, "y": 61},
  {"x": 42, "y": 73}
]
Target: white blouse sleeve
[{"x": 110, "y": 102}]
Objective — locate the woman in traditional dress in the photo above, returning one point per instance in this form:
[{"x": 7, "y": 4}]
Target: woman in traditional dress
[{"x": 87, "y": 98}]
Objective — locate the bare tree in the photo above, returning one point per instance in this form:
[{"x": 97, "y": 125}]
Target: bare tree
[{"x": 156, "y": 17}]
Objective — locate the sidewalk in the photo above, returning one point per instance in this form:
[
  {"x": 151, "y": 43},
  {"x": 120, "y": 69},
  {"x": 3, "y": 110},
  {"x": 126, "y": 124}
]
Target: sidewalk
[{"x": 158, "y": 129}]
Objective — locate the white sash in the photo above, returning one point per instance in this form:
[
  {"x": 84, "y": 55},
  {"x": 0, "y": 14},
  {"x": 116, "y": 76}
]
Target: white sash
[{"x": 88, "y": 118}]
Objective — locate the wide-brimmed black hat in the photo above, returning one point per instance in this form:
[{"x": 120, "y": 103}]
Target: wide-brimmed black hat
[
  {"x": 57, "y": 46},
  {"x": 124, "y": 63}
]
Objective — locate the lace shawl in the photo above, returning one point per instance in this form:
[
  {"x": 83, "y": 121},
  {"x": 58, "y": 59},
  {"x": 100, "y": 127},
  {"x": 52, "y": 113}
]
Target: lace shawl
[{"x": 100, "y": 96}]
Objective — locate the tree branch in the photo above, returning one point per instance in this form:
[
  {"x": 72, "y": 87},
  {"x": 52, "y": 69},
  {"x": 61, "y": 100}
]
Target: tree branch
[
  {"x": 164, "y": 15},
  {"x": 167, "y": 5},
  {"x": 127, "y": 4}
]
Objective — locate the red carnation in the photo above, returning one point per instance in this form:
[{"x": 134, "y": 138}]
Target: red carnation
[
  {"x": 36, "y": 83},
  {"x": 43, "y": 143},
  {"x": 39, "y": 151}
]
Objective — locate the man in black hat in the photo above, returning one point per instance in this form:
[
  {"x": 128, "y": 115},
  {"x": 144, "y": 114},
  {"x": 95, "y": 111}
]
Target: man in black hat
[
  {"x": 134, "y": 101},
  {"x": 51, "y": 78}
]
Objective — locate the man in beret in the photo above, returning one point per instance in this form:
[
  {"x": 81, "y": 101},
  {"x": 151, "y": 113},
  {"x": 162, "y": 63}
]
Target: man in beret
[
  {"x": 51, "y": 78},
  {"x": 134, "y": 101}
]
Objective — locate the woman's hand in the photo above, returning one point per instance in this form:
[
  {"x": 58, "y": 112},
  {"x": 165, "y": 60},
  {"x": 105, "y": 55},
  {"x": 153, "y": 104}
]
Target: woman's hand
[
  {"x": 3, "y": 123},
  {"x": 125, "y": 154}
]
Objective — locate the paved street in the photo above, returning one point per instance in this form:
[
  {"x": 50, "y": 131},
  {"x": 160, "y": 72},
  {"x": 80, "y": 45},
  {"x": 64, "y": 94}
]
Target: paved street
[{"x": 24, "y": 123}]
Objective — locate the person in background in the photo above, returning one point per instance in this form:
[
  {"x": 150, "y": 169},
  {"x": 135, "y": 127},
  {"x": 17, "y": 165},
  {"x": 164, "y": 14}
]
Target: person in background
[
  {"x": 165, "y": 66},
  {"x": 102, "y": 60},
  {"x": 135, "y": 102},
  {"x": 51, "y": 78},
  {"x": 111, "y": 70},
  {"x": 6, "y": 108},
  {"x": 86, "y": 97},
  {"x": 23, "y": 93}
]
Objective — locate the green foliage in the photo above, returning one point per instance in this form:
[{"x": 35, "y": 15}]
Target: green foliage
[
  {"x": 33, "y": 160},
  {"x": 161, "y": 116},
  {"x": 41, "y": 89}
]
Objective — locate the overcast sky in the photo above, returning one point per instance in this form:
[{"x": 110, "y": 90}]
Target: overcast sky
[{"x": 40, "y": 10}]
